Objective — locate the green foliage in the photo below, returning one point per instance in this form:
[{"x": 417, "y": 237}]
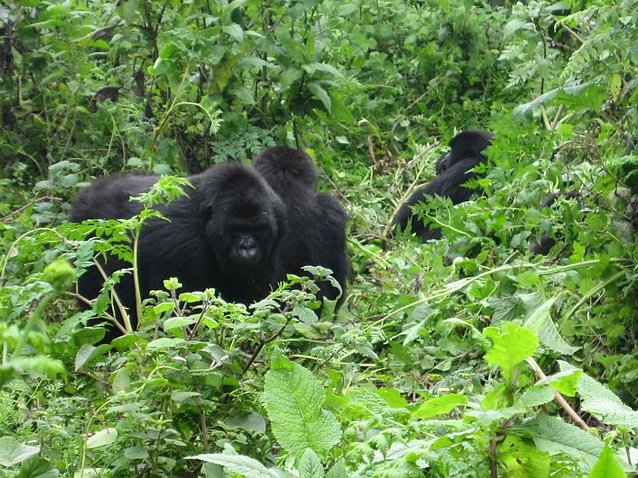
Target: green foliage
[
  {"x": 466, "y": 357},
  {"x": 293, "y": 399}
]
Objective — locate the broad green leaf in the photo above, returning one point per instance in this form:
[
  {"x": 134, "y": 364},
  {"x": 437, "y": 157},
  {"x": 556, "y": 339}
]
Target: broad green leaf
[
  {"x": 601, "y": 402},
  {"x": 164, "y": 343},
  {"x": 540, "y": 321},
  {"x": 244, "y": 94},
  {"x": 121, "y": 381},
  {"x": 392, "y": 397},
  {"x": 522, "y": 460},
  {"x": 310, "y": 465},
  {"x": 317, "y": 90},
  {"x": 181, "y": 396},
  {"x": 235, "y": 31},
  {"x": 13, "y": 452},
  {"x": 511, "y": 344},
  {"x": 252, "y": 422},
  {"x": 565, "y": 382},
  {"x": 102, "y": 438},
  {"x": 529, "y": 108},
  {"x": 88, "y": 352},
  {"x": 338, "y": 470},
  {"x": 293, "y": 399},
  {"x": 536, "y": 396},
  {"x": 176, "y": 322},
  {"x": 243, "y": 465},
  {"x": 440, "y": 405},
  {"x": 607, "y": 466},
  {"x": 305, "y": 315},
  {"x": 555, "y": 436}
]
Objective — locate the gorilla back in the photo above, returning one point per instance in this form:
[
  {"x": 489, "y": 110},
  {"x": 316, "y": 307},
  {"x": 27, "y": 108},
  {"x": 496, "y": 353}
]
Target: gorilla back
[
  {"x": 317, "y": 232},
  {"x": 225, "y": 235},
  {"x": 453, "y": 171}
]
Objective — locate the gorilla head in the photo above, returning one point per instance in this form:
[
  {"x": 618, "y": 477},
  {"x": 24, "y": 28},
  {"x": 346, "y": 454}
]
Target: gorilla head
[
  {"x": 453, "y": 171},
  {"x": 244, "y": 218},
  {"x": 467, "y": 144},
  {"x": 225, "y": 235},
  {"x": 287, "y": 170}
]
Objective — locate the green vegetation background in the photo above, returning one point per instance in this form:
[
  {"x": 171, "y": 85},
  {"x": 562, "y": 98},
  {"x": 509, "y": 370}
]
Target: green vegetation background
[{"x": 446, "y": 358}]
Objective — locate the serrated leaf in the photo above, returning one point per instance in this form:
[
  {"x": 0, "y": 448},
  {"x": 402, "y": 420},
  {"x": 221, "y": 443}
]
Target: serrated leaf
[
  {"x": 555, "y": 436},
  {"x": 338, "y": 470},
  {"x": 440, "y": 405},
  {"x": 522, "y": 460},
  {"x": 539, "y": 320},
  {"x": 310, "y": 465},
  {"x": 601, "y": 402},
  {"x": 528, "y": 108},
  {"x": 293, "y": 399},
  {"x": 511, "y": 344},
  {"x": 515, "y": 25},
  {"x": 243, "y": 465},
  {"x": 13, "y": 452},
  {"x": 102, "y": 438},
  {"x": 607, "y": 466}
]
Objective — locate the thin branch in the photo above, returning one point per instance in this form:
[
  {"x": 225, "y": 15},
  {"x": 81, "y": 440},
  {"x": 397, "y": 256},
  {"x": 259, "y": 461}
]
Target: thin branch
[{"x": 559, "y": 398}]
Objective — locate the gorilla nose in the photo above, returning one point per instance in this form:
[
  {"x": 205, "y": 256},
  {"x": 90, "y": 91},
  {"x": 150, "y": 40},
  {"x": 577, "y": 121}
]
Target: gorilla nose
[{"x": 248, "y": 249}]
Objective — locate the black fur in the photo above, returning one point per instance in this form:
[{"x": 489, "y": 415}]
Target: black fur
[
  {"x": 225, "y": 234},
  {"x": 317, "y": 222},
  {"x": 454, "y": 170}
]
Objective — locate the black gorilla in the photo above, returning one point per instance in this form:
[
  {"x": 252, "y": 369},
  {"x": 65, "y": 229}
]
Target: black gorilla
[
  {"x": 224, "y": 234},
  {"x": 453, "y": 171},
  {"x": 317, "y": 221}
]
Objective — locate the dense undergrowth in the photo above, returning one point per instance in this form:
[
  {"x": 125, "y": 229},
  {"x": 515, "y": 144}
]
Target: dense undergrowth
[{"x": 466, "y": 357}]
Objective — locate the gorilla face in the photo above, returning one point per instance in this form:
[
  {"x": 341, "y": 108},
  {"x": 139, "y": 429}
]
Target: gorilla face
[{"x": 244, "y": 219}]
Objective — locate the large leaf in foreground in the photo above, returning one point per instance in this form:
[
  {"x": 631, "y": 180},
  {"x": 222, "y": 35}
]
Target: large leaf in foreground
[{"x": 293, "y": 399}]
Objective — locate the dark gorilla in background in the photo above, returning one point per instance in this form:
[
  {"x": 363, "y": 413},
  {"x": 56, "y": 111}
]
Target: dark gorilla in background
[
  {"x": 317, "y": 222},
  {"x": 224, "y": 234},
  {"x": 453, "y": 171}
]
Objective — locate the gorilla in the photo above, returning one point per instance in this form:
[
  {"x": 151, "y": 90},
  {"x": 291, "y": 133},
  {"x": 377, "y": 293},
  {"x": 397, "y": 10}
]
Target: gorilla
[
  {"x": 317, "y": 222},
  {"x": 224, "y": 234},
  {"x": 453, "y": 171}
]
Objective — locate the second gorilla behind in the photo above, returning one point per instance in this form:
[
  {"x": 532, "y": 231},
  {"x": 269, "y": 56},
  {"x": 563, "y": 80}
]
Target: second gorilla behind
[{"x": 317, "y": 222}]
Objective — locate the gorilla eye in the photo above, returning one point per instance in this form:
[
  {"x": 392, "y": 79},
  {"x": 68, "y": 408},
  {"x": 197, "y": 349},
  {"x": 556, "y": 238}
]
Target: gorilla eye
[{"x": 264, "y": 212}]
